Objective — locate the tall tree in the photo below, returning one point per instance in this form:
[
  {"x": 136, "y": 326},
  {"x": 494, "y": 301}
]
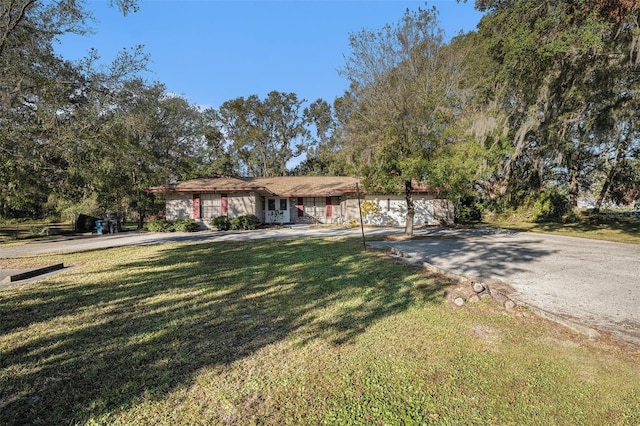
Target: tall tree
[
  {"x": 38, "y": 92},
  {"x": 400, "y": 102},
  {"x": 215, "y": 158},
  {"x": 153, "y": 138},
  {"x": 324, "y": 157},
  {"x": 266, "y": 134},
  {"x": 562, "y": 67}
]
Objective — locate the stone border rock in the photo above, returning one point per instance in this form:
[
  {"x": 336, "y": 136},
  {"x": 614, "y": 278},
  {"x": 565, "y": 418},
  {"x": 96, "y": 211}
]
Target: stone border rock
[
  {"x": 473, "y": 289},
  {"x": 470, "y": 290}
]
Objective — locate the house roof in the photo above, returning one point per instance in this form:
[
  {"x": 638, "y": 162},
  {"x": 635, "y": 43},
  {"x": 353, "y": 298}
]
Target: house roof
[
  {"x": 213, "y": 184},
  {"x": 308, "y": 186},
  {"x": 282, "y": 186}
]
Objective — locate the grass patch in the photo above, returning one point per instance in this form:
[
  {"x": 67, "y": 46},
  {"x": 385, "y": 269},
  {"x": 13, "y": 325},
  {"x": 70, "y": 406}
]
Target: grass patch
[
  {"x": 20, "y": 232},
  {"x": 617, "y": 228},
  {"x": 305, "y": 331}
]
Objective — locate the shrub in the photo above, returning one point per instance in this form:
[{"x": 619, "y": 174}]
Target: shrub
[
  {"x": 468, "y": 210},
  {"x": 186, "y": 225},
  {"x": 251, "y": 221},
  {"x": 551, "y": 205},
  {"x": 222, "y": 223},
  {"x": 370, "y": 208},
  {"x": 245, "y": 222},
  {"x": 235, "y": 223},
  {"x": 159, "y": 225}
]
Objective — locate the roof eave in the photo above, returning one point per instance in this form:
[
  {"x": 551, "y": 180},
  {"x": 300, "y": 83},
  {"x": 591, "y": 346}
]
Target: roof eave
[{"x": 170, "y": 190}]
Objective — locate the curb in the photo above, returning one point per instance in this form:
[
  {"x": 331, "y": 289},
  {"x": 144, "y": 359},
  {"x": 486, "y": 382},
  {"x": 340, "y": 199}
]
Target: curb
[{"x": 33, "y": 273}]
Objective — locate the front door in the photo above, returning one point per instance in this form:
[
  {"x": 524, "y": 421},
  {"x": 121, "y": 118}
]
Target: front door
[{"x": 277, "y": 211}]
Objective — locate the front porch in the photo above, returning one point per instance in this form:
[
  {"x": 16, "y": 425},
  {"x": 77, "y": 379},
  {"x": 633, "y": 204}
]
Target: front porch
[{"x": 304, "y": 210}]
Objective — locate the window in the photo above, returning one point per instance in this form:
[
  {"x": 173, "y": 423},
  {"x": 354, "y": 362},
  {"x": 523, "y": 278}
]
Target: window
[
  {"x": 210, "y": 206},
  {"x": 271, "y": 204},
  {"x": 315, "y": 207}
]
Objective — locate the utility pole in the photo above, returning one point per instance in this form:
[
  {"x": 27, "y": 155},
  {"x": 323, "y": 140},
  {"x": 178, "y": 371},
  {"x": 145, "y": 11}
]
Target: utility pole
[{"x": 364, "y": 243}]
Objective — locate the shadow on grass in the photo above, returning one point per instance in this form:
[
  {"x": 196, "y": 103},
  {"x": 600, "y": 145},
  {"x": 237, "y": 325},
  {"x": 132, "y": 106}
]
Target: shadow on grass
[
  {"x": 629, "y": 225},
  {"x": 75, "y": 351},
  {"x": 619, "y": 228}
]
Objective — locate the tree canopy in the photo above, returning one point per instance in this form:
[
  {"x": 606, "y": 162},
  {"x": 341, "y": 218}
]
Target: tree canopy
[
  {"x": 566, "y": 75},
  {"x": 542, "y": 98},
  {"x": 264, "y": 135}
]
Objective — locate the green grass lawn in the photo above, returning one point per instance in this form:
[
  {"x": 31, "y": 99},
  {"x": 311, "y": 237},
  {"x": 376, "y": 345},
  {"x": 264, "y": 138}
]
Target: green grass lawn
[
  {"x": 617, "y": 228},
  {"x": 307, "y": 331}
]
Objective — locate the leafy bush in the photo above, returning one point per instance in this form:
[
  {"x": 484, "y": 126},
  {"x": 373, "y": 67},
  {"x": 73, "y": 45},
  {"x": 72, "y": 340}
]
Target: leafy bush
[
  {"x": 186, "y": 225},
  {"x": 222, "y": 223},
  {"x": 159, "y": 225},
  {"x": 245, "y": 222},
  {"x": 468, "y": 210},
  {"x": 551, "y": 205},
  {"x": 235, "y": 224},
  {"x": 251, "y": 221},
  {"x": 370, "y": 208}
]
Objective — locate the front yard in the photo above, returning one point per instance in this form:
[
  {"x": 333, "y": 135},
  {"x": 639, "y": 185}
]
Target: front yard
[
  {"x": 305, "y": 331},
  {"x": 621, "y": 228}
]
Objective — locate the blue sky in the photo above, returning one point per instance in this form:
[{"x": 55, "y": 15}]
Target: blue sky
[{"x": 211, "y": 51}]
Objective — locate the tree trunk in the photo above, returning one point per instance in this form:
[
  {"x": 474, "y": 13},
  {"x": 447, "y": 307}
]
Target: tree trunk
[
  {"x": 620, "y": 149},
  {"x": 574, "y": 190},
  {"x": 574, "y": 182},
  {"x": 140, "y": 219},
  {"x": 605, "y": 189},
  {"x": 411, "y": 210}
]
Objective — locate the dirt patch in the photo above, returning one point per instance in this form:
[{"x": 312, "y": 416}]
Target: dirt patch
[{"x": 402, "y": 238}]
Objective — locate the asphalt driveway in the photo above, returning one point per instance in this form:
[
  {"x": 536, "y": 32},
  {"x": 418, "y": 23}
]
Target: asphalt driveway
[
  {"x": 67, "y": 244},
  {"x": 593, "y": 283}
]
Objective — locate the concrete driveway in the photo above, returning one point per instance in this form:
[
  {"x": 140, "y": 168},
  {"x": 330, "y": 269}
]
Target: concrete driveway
[
  {"x": 66, "y": 244},
  {"x": 592, "y": 283}
]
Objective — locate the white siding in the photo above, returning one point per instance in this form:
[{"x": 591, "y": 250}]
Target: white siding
[
  {"x": 393, "y": 210},
  {"x": 241, "y": 204},
  {"x": 349, "y": 209},
  {"x": 179, "y": 206}
]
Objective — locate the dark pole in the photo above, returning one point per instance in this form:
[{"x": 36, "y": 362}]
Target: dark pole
[{"x": 364, "y": 243}]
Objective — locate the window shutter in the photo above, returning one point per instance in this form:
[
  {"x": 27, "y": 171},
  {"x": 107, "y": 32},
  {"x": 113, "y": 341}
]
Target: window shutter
[
  {"x": 196, "y": 206},
  {"x": 225, "y": 204}
]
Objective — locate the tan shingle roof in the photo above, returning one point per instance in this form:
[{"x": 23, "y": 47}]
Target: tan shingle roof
[
  {"x": 308, "y": 186},
  {"x": 222, "y": 183},
  {"x": 284, "y": 186}
]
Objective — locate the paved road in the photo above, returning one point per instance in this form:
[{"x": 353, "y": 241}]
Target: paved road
[{"x": 594, "y": 283}]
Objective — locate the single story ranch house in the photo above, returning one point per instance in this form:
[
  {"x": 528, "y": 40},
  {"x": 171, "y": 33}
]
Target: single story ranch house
[{"x": 295, "y": 199}]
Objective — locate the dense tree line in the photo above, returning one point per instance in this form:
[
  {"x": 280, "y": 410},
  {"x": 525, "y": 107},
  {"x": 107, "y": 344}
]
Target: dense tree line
[
  {"x": 541, "y": 99},
  {"x": 80, "y": 137}
]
